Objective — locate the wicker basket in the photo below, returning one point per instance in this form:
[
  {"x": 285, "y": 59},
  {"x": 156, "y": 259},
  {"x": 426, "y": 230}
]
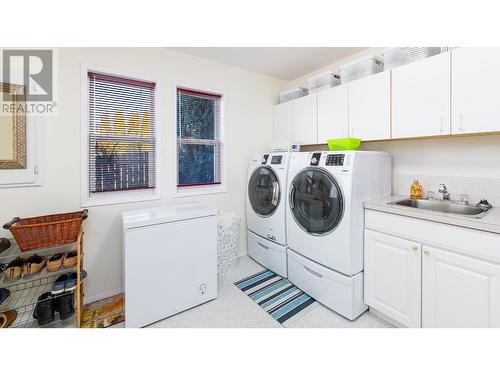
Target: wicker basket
[{"x": 46, "y": 231}]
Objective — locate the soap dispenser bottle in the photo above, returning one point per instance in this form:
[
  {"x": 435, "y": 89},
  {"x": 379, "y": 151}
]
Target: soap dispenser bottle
[{"x": 416, "y": 190}]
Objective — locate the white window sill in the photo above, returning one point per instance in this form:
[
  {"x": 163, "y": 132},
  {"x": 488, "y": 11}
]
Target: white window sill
[
  {"x": 119, "y": 198},
  {"x": 192, "y": 191},
  {"x": 20, "y": 185}
]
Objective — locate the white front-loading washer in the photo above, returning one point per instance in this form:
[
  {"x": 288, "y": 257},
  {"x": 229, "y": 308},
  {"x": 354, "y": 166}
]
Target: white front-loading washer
[
  {"x": 266, "y": 210},
  {"x": 325, "y": 222}
]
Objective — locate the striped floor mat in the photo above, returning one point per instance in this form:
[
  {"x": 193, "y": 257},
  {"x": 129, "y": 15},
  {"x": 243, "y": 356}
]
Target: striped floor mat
[{"x": 277, "y": 296}]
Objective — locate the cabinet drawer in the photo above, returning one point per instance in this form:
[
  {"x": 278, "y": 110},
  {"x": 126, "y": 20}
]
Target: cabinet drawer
[
  {"x": 341, "y": 293},
  {"x": 467, "y": 241},
  {"x": 267, "y": 253}
]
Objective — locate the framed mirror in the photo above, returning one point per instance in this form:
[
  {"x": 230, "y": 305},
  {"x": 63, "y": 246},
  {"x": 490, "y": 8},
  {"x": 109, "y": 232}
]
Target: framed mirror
[{"x": 13, "y": 127}]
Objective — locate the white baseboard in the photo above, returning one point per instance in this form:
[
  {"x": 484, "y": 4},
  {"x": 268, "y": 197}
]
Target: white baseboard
[
  {"x": 97, "y": 297},
  {"x": 384, "y": 317}
]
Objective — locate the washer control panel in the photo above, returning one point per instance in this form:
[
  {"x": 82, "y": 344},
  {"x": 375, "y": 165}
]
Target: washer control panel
[
  {"x": 335, "y": 160},
  {"x": 277, "y": 159},
  {"x": 264, "y": 159}
]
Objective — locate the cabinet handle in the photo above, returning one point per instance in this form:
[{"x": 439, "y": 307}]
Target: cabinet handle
[
  {"x": 460, "y": 122},
  {"x": 441, "y": 124},
  {"x": 263, "y": 246},
  {"x": 318, "y": 275},
  {"x": 414, "y": 248},
  {"x": 426, "y": 252}
]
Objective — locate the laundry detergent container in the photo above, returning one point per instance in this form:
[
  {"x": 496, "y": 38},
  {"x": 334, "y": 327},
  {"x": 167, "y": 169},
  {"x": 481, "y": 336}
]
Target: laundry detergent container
[{"x": 228, "y": 241}]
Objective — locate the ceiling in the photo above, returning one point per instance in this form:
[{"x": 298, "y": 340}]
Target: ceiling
[{"x": 287, "y": 63}]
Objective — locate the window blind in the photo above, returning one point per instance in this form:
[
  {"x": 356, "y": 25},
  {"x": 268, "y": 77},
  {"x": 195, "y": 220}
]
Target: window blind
[
  {"x": 121, "y": 134},
  {"x": 199, "y": 138}
]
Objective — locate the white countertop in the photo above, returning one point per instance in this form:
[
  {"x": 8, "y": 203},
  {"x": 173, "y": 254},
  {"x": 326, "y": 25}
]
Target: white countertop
[{"x": 488, "y": 223}]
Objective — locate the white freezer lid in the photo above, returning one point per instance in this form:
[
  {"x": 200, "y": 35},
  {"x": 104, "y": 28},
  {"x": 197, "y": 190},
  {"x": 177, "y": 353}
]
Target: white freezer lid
[{"x": 165, "y": 214}]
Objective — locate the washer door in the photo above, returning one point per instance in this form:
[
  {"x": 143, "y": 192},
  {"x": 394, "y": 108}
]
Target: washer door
[
  {"x": 316, "y": 201},
  {"x": 264, "y": 191}
]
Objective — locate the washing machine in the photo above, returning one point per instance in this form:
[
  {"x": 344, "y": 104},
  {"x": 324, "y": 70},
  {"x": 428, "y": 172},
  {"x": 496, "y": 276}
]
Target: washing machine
[
  {"x": 266, "y": 210},
  {"x": 325, "y": 223}
]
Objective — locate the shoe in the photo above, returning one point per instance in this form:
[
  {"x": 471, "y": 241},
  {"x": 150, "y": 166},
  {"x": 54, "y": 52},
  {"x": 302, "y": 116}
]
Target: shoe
[
  {"x": 7, "y": 318},
  {"x": 59, "y": 285},
  {"x": 4, "y": 295},
  {"x": 4, "y": 244},
  {"x": 70, "y": 259},
  {"x": 14, "y": 270},
  {"x": 34, "y": 264},
  {"x": 71, "y": 283},
  {"x": 55, "y": 262},
  {"x": 44, "y": 310},
  {"x": 65, "y": 305}
]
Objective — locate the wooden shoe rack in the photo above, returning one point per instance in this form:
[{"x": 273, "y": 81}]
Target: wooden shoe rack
[{"x": 26, "y": 290}]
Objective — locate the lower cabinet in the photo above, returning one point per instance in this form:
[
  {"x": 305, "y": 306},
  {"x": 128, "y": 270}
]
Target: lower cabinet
[
  {"x": 422, "y": 286},
  {"x": 392, "y": 277},
  {"x": 459, "y": 291}
]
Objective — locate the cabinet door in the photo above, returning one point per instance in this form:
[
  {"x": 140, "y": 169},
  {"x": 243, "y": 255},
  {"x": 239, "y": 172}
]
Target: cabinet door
[
  {"x": 475, "y": 87},
  {"x": 305, "y": 120},
  {"x": 370, "y": 107},
  {"x": 282, "y": 129},
  {"x": 421, "y": 98},
  {"x": 392, "y": 277},
  {"x": 459, "y": 291},
  {"x": 333, "y": 113}
]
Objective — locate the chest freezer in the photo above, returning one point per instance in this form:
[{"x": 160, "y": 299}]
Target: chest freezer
[{"x": 169, "y": 261}]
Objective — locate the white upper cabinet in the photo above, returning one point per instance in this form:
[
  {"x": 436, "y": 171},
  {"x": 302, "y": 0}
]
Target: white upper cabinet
[
  {"x": 333, "y": 113},
  {"x": 421, "y": 98},
  {"x": 392, "y": 277},
  {"x": 459, "y": 291},
  {"x": 475, "y": 83},
  {"x": 450, "y": 93},
  {"x": 282, "y": 129},
  {"x": 370, "y": 107},
  {"x": 305, "y": 119}
]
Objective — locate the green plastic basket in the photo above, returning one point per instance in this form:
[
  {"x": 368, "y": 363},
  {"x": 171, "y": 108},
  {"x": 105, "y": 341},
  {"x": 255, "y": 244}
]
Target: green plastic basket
[{"x": 343, "y": 144}]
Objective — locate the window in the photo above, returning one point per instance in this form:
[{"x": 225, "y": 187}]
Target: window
[
  {"x": 199, "y": 141},
  {"x": 121, "y": 139}
]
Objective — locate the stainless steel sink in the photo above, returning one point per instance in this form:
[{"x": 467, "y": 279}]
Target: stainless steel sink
[{"x": 444, "y": 206}]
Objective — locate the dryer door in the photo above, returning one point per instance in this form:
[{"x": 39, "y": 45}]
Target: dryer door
[
  {"x": 264, "y": 191},
  {"x": 316, "y": 201}
]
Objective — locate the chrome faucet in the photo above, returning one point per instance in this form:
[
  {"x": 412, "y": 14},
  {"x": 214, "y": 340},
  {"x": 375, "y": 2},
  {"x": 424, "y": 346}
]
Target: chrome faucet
[{"x": 444, "y": 191}]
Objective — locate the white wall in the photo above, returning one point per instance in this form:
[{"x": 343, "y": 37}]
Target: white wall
[{"x": 249, "y": 99}]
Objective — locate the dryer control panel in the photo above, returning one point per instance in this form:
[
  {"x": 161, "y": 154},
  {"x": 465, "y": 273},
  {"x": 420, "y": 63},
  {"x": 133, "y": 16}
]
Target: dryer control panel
[
  {"x": 276, "y": 159},
  {"x": 315, "y": 158}
]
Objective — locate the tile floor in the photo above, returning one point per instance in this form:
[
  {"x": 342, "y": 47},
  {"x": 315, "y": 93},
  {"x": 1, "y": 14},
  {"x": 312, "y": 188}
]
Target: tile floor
[{"x": 233, "y": 309}]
